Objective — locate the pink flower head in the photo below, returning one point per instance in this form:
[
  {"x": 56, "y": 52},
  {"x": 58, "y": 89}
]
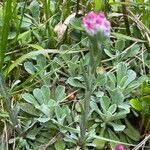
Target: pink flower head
[
  {"x": 96, "y": 22},
  {"x": 120, "y": 147}
]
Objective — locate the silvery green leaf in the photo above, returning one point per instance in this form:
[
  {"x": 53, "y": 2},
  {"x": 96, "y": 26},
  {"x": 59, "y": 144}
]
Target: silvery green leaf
[
  {"x": 46, "y": 93},
  {"x": 35, "y": 9},
  {"x": 116, "y": 96},
  {"x": 45, "y": 110},
  {"x": 38, "y": 95},
  {"x": 31, "y": 134},
  {"x": 101, "y": 80},
  {"x": 43, "y": 120},
  {"x": 117, "y": 127},
  {"x": 133, "y": 51},
  {"x": 121, "y": 114},
  {"x": 96, "y": 109},
  {"x": 124, "y": 106},
  {"x": 123, "y": 81},
  {"x": 14, "y": 84},
  {"x": 131, "y": 77},
  {"x": 30, "y": 109},
  {"x": 29, "y": 98},
  {"x": 58, "y": 112},
  {"x": 65, "y": 110},
  {"x": 26, "y": 22},
  {"x": 105, "y": 103},
  {"x": 112, "y": 109},
  {"x": 74, "y": 82},
  {"x": 121, "y": 71},
  {"x": 59, "y": 93},
  {"x": 29, "y": 67},
  {"x": 52, "y": 103},
  {"x": 94, "y": 106},
  {"x": 112, "y": 78},
  {"x": 41, "y": 60},
  {"x": 131, "y": 87},
  {"x": 108, "y": 53},
  {"x": 72, "y": 68},
  {"x": 99, "y": 94}
]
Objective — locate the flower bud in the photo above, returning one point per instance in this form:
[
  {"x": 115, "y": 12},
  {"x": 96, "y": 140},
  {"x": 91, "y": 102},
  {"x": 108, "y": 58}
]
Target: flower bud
[
  {"x": 120, "y": 147},
  {"x": 94, "y": 23}
]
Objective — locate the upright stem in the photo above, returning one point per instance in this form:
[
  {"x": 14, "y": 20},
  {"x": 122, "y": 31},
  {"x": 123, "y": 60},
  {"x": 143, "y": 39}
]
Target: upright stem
[{"x": 95, "y": 59}]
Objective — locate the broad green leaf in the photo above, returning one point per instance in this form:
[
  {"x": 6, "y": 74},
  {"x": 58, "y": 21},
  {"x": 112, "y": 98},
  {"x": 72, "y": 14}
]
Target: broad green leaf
[
  {"x": 78, "y": 107},
  {"x": 98, "y": 5},
  {"x": 145, "y": 87},
  {"x": 146, "y": 99},
  {"x": 123, "y": 81},
  {"x": 43, "y": 120},
  {"x": 99, "y": 143},
  {"x": 130, "y": 130},
  {"x": 136, "y": 104},
  {"x": 60, "y": 145},
  {"x": 120, "y": 45}
]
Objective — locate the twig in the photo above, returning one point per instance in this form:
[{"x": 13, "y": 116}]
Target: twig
[
  {"x": 52, "y": 141},
  {"x": 141, "y": 143}
]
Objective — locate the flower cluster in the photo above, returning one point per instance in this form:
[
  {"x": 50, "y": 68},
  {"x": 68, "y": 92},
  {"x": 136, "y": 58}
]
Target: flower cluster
[{"x": 96, "y": 22}]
